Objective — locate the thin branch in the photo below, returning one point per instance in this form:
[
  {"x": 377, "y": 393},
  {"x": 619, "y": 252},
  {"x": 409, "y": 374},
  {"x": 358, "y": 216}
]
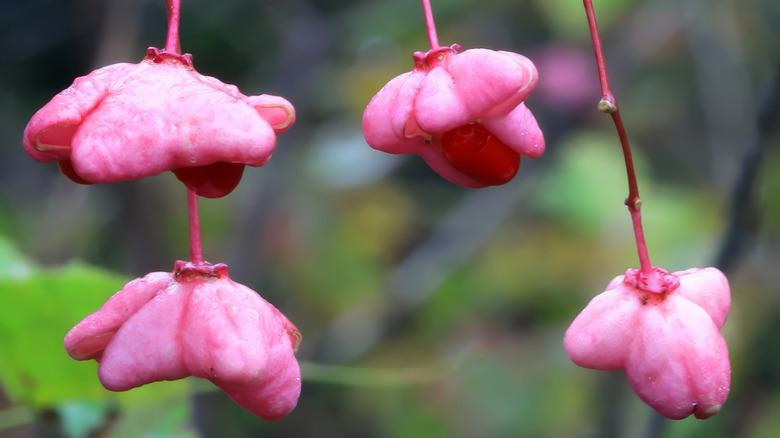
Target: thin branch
[
  {"x": 430, "y": 25},
  {"x": 172, "y": 44},
  {"x": 196, "y": 248},
  {"x": 744, "y": 216},
  {"x": 608, "y": 104}
]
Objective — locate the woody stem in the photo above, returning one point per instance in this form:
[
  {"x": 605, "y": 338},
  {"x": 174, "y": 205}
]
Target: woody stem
[
  {"x": 196, "y": 249},
  {"x": 172, "y": 44},
  {"x": 430, "y": 25},
  {"x": 608, "y": 105}
]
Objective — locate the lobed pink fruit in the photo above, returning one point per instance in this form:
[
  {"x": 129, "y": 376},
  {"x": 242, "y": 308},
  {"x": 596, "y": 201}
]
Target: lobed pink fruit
[
  {"x": 129, "y": 121},
  {"x": 667, "y": 340},
  {"x": 475, "y": 96},
  {"x": 194, "y": 322}
]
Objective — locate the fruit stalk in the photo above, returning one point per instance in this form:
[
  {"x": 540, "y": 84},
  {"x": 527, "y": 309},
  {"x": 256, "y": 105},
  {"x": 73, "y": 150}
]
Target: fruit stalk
[
  {"x": 172, "y": 44},
  {"x": 430, "y": 25},
  {"x": 196, "y": 249},
  {"x": 608, "y": 105}
]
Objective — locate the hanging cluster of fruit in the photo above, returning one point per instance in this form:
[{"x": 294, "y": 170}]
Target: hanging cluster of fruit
[
  {"x": 130, "y": 121},
  {"x": 463, "y": 112}
]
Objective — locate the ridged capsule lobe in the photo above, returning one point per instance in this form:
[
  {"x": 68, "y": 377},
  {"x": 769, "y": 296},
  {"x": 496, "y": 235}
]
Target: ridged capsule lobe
[
  {"x": 668, "y": 342},
  {"x": 129, "y": 121},
  {"x": 194, "y": 322}
]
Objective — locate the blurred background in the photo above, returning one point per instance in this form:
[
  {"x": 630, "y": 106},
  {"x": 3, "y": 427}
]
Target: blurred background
[{"x": 426, "y": 309}]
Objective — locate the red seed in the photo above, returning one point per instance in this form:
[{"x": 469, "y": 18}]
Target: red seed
[
  {"x": 66, "y": 167},
  {"x": 212, "y": 181},
  {"x": 477, "y": 153}
]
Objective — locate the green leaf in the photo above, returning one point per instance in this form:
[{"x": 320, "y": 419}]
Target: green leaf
[
  {"x": 567, "y": 17},
  {"x": 12, "y": 263},
  {"x": 79, "y": 419},
  {"x": 163, "y": 419},
  {"x": 586, "y": 188},
  {"x": 35, "y": 313},
  {"x": 679, "y": 226},
  {"x": 769, "y": 192}
]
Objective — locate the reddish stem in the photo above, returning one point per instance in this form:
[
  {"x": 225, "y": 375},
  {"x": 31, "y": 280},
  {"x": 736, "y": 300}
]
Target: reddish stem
[
  {"x": 608, "y": 104},
  {"x": 196, "y": 249},
  {"x": 172, "y": 44},
  {"x": 430, "y": 25}
]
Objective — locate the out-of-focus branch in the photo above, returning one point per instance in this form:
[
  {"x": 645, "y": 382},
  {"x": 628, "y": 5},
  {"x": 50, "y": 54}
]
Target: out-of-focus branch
[
  {"x": 728, "y": 110},
  {"x": 462, "y": 233},
  {"x": 725, "y": 94},
  {"x": 744, "y": 213},
  {"x": 305, "y": 36},
  {"x": 744, "y": 219},
  {"x": 15, "y": 416}
]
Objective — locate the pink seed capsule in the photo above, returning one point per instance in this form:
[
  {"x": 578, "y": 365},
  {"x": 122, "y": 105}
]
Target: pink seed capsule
[
  {"x": 194, "y": 322},
  {"x": 130, "y": 121},
  {"x": 463, "y": 113},
  {"x": 664, "y": 331}
]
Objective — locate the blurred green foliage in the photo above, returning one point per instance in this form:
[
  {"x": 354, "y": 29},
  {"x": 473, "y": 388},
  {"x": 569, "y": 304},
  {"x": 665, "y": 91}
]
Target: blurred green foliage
[
  {"x": 39, "y": 307},
  {"x": 34, "y": 366},
  {"x": 566, "y": 17}
]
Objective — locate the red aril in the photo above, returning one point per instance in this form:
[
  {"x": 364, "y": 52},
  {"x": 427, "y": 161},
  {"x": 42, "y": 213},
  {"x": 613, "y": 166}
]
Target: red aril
[
  {"x": 66, "y": 167},
  {"x": 212, "y": 181},
  {"x": 476, "y": 152}
]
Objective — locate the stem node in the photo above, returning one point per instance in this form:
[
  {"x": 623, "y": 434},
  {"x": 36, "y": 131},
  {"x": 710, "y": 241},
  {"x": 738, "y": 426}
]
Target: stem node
[
  {"x": 607, "y": 105},
  {"x": 633, "y": 203}
]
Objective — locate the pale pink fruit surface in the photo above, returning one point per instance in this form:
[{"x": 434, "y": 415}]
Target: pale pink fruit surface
[
  {"x": 129, "y": 121},
  {"x": 194, "y": 322},
  {"x": 667, "y": 341},
  {"x": 447, "y": 91}
]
